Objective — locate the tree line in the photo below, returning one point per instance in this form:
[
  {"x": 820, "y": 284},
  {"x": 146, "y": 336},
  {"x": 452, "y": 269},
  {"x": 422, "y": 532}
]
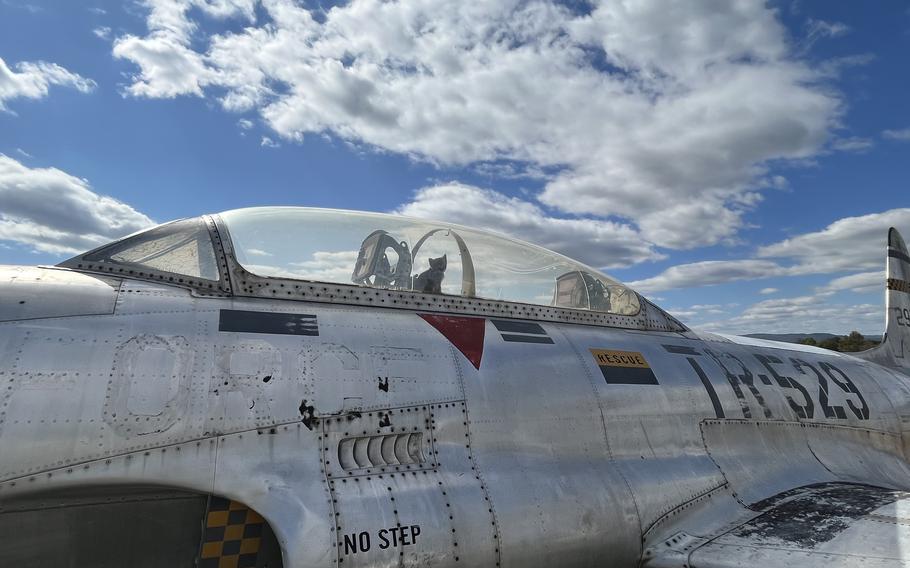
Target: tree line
[{"x": 855, "y": 341}]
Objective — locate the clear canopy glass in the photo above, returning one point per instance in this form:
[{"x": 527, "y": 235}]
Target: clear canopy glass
[
  {"x": 399, "y": 253},
  {"x": 180, "y": 247}
]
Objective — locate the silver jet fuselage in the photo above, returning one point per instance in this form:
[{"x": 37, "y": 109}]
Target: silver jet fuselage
[{"x": 409, "y": 436}]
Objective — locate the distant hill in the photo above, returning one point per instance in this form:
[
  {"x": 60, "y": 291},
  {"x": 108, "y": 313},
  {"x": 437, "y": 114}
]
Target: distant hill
[
  {"x": 852, "y": 342},
  {"x": 798, "y": 337}
]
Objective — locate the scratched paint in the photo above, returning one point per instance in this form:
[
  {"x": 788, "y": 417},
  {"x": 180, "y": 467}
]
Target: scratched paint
[{"x": 811, "y": 516}]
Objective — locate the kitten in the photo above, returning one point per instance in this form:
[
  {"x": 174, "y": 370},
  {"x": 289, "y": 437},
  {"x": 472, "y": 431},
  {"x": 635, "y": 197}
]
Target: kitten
[{"x": 430, "y": 281}]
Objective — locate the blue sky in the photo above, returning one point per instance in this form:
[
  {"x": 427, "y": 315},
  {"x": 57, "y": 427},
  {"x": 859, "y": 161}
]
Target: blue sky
[{"x": 738, "y": 162}]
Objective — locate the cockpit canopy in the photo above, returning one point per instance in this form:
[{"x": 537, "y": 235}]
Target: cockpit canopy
[{"x": 370, "y": 250}]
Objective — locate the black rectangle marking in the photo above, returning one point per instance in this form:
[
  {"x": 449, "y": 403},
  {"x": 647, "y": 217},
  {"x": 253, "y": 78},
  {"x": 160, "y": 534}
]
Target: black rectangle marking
[
  {"x": 243, "y": 321},
  {"x": 893, "y": 253},
  {"x": 518, "y": 327},
  {"x": 681, "y": 350},
  {"x": 628, "y": 375},
  {"x": 526, "y": 338},
  {"x": 522, "y": 332}
]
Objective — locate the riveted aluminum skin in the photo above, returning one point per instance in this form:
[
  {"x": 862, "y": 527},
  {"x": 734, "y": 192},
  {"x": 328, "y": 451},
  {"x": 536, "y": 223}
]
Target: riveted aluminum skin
[{"x": 365, "y": 436}]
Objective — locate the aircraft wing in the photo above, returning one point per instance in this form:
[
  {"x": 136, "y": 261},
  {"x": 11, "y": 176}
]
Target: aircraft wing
[{"x": 832, "y": 525}]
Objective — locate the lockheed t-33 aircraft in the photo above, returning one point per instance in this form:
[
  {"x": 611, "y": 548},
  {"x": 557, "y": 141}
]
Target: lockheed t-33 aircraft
[{"x": 301, "y": 388}]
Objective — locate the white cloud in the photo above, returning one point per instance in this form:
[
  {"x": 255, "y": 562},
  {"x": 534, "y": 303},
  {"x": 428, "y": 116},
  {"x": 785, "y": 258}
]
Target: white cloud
[
  {"x": 662, "y": 113},
  {"x": 848, "y": 244},
  {"x": 327, "y": 266},
  {"x": 23, "y": 153},
  {"x": 169, "y": 68},
  {"x": 802, "y": 314},
  {"x": 102, "y": 32},
  {"x": 836, "y": 66},
  {"x": 51, "y": 211},
  {"x": 596, "y": 242},
  {"x": 32, "y": 8},
  {"x": 267, "y": 142},
  {"x": 778, "y": 182},
  {"x": 692, "y": 315},
  {"x": 511, "y": 170},
  {"x": 682, "y": 313},
  {"x": 707, "y": 273},
  {"x": 324, "y": 266},
  {"x": 168, "y": 65},
  {"x": 245, "y": 124},
  {"x": 32, "y": 80},
  {"x": 852, "y": 144},
  {"x": 861, "y": 283},
  {"x": 901, "y": 134},
  {"x": 768, "y": 291},
  {"x": 820, "y": 29}
]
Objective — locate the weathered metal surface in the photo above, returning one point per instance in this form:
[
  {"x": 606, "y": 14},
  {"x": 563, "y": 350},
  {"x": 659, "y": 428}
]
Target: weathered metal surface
[
  {"x": 895, "y": 350},
  {"x": 827, "y": 525},
  {"x": 369, "y": 435},
  {"x": 32, "y": 292}
]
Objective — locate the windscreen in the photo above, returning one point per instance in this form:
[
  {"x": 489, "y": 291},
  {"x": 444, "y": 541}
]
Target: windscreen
[
  {"x": 182, "y": 247},
  {"x": 398, "y": 253}
]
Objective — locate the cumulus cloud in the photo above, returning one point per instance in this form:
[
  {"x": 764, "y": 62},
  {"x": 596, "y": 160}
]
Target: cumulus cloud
[
  {"x": 707, "y": 273},
  {"x": 692, "y": 315},
  {"x": 32, "y": 80},
  {"x": 327, "y": 266},
  {"x": 596, "y": 242},
  {"x": 861, "y": 283},
  {"x": 848, "y": 244},
  {"x": 52, "y": 211},
  {"x": 801, "y": 314},
  {"x": 168, "y": 65},
  {"x": 663, "y": 114},
  {"x": 323, "y": 266}
]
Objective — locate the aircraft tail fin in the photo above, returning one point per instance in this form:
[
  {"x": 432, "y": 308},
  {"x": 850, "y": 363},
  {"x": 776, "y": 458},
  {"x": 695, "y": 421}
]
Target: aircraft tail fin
[{"x": 895, "y": 348}]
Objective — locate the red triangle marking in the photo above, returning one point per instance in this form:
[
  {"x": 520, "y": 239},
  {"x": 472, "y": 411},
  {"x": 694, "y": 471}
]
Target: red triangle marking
[{"x": 465, "y": 333}]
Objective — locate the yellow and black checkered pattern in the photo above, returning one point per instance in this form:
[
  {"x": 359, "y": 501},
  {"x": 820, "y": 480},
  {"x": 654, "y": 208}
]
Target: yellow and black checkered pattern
[
  {"x": 899, "y": 285},
  {"x": 232, "y": 536}
]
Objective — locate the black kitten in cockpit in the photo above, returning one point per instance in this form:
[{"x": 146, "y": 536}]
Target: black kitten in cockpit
[{"x": 430, "y": 280}]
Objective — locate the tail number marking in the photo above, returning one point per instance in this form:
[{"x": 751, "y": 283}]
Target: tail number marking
[
  {"x": 806, "y": 410},
  {"x": 798, "y": 396},
  {"x": 903, "y": 317}
]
